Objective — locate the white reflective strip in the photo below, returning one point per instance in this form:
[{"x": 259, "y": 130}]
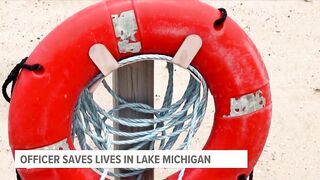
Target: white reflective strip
[
  {"x": 61, "y": 145},
  {"x": 125, "y": 27},
  {"x": 104, "y": 60},
  {"x": 187, "y": 51},
  {"x": 246, "y": 104}
]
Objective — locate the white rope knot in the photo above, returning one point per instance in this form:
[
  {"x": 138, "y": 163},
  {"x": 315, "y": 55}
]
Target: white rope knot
[{"x": 91, "y": 121}]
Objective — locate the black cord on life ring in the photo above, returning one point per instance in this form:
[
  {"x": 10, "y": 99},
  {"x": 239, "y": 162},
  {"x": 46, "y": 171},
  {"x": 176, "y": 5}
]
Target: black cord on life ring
[
  {"x": 244, "y": 177},
  {"x": 251, "y": 175},
  {"x": 222, "y": 19},
  {"x": 12, "y": 77},
  {"x": 18, "y": 176}
]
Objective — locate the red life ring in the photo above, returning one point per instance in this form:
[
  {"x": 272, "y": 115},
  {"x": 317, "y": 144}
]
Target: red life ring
[{"x": 42, "y": 102}]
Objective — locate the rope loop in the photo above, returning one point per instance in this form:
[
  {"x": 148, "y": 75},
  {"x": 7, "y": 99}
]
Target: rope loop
[
  {"x": 222, "y": 19},
  {"x": 12, "y": 77},
  {"x": 92, "y": 122}
]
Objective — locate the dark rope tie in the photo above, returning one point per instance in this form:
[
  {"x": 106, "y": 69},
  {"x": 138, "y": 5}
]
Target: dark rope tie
[
  {"x": 18, "y": 176},
  {"x": 251, "y": 175},
  {"x": 244, "y": 177},
  {"x": 12, "y": 77},
  {"x": 222, "y": 19}
]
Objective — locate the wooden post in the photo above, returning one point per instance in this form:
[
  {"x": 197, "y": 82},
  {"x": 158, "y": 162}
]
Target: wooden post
[{"x": 134, "y": 83}]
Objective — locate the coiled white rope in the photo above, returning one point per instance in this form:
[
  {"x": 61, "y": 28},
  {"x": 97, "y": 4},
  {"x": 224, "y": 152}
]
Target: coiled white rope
[{"x": 91, "y": 121}]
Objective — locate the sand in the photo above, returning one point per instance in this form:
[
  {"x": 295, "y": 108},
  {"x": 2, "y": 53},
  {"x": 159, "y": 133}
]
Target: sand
[{"x": 287, "y": 33}]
